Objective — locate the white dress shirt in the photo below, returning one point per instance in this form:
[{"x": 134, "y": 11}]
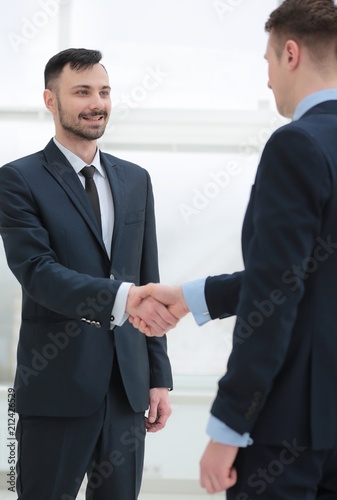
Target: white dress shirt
[{"x": 107, "y": 216}]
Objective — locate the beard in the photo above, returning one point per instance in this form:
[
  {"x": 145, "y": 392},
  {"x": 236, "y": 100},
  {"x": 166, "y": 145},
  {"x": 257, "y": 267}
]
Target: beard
[{"x": 77, "y": 128}]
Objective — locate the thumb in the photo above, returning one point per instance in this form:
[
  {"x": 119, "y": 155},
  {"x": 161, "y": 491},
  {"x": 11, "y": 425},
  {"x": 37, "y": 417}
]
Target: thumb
[
  {"x": 135, "y": 296},
  {"x": 153, "y": 412},
  {"x": 145, "y": 291},
  {"x": 151, "y": 418}
]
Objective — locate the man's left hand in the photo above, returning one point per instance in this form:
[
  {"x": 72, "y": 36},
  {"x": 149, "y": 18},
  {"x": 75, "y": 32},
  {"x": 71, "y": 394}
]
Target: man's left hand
[
  {"x": 216, "y": 467},
  {"x": 159, "y": 411}
]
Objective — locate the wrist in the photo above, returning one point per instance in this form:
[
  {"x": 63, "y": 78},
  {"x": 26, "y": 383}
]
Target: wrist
[{"x": 131, "y": 299}]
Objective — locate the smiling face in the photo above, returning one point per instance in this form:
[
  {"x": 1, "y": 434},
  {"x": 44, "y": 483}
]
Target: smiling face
[{"x": 80, "y": 102}]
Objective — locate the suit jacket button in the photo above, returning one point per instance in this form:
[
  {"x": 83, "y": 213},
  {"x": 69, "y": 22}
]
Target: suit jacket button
[{"x": 112, "y": 318}]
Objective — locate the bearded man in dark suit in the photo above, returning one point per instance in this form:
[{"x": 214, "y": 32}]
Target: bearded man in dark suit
[{"x": 77, "y": 225}]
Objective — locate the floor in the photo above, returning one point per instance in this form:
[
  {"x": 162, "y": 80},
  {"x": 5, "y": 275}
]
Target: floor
[
  {"x": 168, "y": 490},
  {"x": 7, "y": 495}
]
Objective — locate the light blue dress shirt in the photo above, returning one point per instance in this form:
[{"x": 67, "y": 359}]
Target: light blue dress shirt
[
  {"x": 313, "y": 100},
  {"x": 194, "y": 293}
]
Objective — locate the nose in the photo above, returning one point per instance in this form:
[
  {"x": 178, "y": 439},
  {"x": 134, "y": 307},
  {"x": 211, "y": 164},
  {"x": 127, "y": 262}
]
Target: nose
[{"x": 96, "y": 102}]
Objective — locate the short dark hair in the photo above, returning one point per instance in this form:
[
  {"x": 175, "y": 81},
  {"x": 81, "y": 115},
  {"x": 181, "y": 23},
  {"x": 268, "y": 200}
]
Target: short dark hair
[
  {"x": 79, "y": 59},
  {"x": 310, "y": 22}
]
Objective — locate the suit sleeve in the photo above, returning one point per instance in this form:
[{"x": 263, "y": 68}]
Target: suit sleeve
[
  {"x": 222, "y": 294},
  {"x": 160, "y": 368},
  {"x": 34, "y": 263},
  {"x": 291, "y": 189}
]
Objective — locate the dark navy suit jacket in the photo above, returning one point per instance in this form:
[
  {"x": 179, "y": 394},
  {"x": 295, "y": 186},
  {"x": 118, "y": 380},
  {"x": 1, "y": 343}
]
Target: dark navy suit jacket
[
  {"x": 281, "y": 378},
  {"x": 69, "y": 284}
]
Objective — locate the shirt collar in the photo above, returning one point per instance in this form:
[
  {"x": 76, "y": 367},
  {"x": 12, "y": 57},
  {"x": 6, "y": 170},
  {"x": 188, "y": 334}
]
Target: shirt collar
[
  {"x": 313, "y": 100},
  {"x": 77, "y": 163}
]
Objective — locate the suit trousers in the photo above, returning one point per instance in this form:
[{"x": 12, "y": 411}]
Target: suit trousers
[
  {"x": 286, "y": 472},
  {"x": 55, "y": 453}
]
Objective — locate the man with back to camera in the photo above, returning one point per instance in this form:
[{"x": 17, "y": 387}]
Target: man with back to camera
[
  {"x": 273, "y": 424},
  {"x": 84, "y": 377}
]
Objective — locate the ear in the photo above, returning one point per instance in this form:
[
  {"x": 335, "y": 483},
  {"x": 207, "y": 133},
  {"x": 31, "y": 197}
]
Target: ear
[
  {"x": 292, "y": 54},
  {"x": 49, "y": 100}
]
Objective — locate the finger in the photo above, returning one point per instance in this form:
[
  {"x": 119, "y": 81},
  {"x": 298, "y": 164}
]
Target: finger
[
  {"x": 154, "y": 428},
  {"x": 144, "y": 328},
  {"x": 148, "y": 318},
  {"x": 157, "y": 326},
  {"x": 140, "y": 325},
  {"x": 163, "y": 320},
  {"x": 162, "y": 315},
  {"x": 152, "y": 422},
  {"x": 215, "y": 483},
  {"x": 232, "y": 478},
  {"x": 159, "y": 423},
  {"x": 206, "y": 483},
  {"x": 147, "y": 330},
  {"x": 135, "y": 321},
  {"x": 147, "y": 425},
  {"x": 163, "y": 418},
  {"x": 154, "y": 316},
  {"x": 150, "y": 427},
  {"x": 168, "y": 317}
]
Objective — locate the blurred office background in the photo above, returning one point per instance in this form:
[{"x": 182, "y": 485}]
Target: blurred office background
[{"x": 191, "y": 105}]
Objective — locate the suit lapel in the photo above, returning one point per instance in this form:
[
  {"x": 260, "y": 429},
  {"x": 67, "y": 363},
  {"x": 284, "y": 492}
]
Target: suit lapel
[
  {"x": 116, "y": 179},
  {"x": 61, "y": 170}
]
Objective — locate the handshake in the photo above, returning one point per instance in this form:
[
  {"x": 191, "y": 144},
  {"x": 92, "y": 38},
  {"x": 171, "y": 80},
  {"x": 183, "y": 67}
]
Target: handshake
[{"x": 155, "y": 309}]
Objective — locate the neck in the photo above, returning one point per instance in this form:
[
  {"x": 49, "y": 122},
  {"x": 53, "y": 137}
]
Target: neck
[
  {"x": 311, "y": 79},
  {"x": 84, "y": 149},
  {"x": 309, "y": 86}
]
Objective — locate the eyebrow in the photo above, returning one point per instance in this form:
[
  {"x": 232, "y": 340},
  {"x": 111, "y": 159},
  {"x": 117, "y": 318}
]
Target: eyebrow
[{"x": 82, "y": 86}]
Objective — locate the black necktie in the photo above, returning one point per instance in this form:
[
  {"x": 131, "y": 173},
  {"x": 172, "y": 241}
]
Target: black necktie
[{"x": 90, "y": 187}]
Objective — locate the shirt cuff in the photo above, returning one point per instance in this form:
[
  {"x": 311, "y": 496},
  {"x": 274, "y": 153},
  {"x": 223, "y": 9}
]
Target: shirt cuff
[
  {"x": 220, "y": 432},
  {"x": 118, "y": 314},
  {"x": 194, "y": 293}
]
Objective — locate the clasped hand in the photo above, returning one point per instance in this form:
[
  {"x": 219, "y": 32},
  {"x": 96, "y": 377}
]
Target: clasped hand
[{"x": 155, "y": 309}]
